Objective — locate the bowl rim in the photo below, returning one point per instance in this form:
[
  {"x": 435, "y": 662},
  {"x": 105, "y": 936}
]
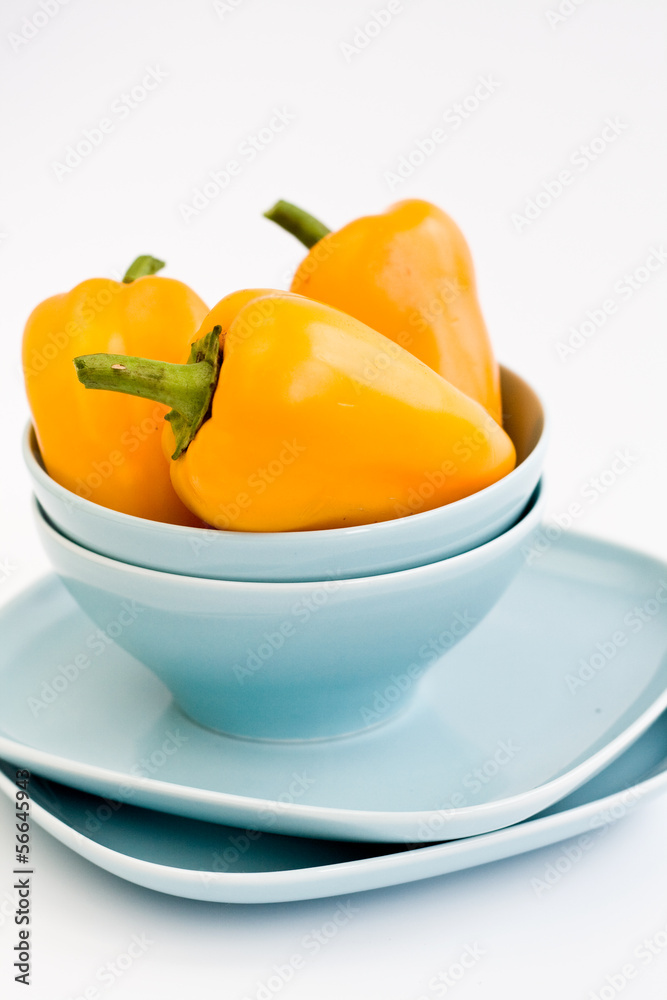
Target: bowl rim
[
  {"x": 529, "y": 519},
  {"x": 34, "y": 463}
]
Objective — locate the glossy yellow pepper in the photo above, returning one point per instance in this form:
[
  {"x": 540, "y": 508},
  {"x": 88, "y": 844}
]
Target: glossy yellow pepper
[
  {"x": 408, "y": 273},
  {"x": 293, "y": 416},
  {"x": 104, "y": 449}
]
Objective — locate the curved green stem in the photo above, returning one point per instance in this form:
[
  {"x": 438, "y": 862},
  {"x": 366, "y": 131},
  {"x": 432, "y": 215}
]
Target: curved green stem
[
  {"x": 301, "y": 224},
  {"x": 141, "y": 267},
  {"x": 188, "y": 389}
]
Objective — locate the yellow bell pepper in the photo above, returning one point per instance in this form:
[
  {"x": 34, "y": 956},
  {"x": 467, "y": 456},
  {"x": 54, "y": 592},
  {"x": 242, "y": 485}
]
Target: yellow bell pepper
[
  {"x": 104, "y": 449},
  {"x": 408, "y": 273},
  {"x": 293, "y": 416}
]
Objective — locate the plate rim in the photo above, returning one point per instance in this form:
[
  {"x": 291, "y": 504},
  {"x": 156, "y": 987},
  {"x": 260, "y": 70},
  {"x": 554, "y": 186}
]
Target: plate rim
[
  {"x": 333, "y": 821},
  {"x": 321, "y": 881}
]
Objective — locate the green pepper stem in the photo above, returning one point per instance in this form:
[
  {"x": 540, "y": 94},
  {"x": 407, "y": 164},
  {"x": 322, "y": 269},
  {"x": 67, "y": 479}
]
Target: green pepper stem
[
  {"x": 141, "y": 267},
  {"x": 188, "y": 389},
  {"x": 301, "y": 224}
]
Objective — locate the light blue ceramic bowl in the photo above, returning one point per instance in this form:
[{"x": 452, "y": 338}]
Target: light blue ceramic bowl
[
  {"x": 291, "y": 660},
  {"x": 339, "y": 553}
]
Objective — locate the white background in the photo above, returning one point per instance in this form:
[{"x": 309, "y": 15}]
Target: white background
[{"x": 355, "y": 113}]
